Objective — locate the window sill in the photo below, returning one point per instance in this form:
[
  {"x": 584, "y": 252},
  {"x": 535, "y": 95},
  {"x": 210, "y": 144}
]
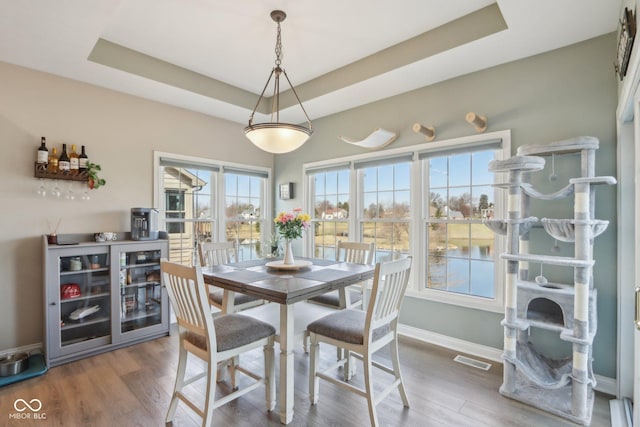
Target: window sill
[{"x": 468, "y": 301}]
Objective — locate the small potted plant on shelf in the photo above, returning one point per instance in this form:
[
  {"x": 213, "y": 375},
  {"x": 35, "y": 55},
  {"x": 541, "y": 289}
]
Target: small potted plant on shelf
[{"x": 94, "y": 181}]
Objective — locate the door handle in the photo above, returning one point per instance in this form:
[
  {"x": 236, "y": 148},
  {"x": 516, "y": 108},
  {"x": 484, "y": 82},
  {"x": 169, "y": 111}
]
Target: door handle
[{"x": 637, "y": 319}]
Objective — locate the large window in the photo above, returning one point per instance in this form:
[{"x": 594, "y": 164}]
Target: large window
[
  {"x": 460, "y": 249},
  {"x": 330, "y": 212},
  {"x": 428, "y": 201},
  {"x": 385, "y": 211},
  {"x": 210, "y": 201},
  {"x": 244, "y": 221}
]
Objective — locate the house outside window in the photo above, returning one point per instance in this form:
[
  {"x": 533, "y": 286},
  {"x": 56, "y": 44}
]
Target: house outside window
[
  {"x": 330, "y": 191},
  {"x": 427, "y": 201},
  {"x": 243, "y": 211},
  {"x": 461, "y": 250},
  {"x": 191, "y": 192},
  {"x": 385, "y": 205}
]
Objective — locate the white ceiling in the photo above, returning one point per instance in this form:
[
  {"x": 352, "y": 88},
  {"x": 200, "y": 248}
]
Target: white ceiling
[{"x": 330, "y": 47}]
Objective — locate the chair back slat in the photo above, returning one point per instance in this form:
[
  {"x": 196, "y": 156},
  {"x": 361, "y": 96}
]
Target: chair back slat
[
  {"x": 355, "y": 252},
  {"x": 217, "y": 253},
  {"x": 188, "y": 296},
  {"x": 389, "y": 286}
]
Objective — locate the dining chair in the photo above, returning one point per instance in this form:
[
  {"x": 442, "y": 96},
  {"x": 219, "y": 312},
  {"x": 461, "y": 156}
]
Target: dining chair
[
  {"x": 220, "y": 253},
  {"x": 362, "y": 333},
  {"x": 356, "y": 252},
  {"x": 215, "y": 340}
]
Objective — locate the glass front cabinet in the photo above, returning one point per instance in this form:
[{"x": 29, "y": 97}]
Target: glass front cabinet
[{"x": 102, "y": 296}]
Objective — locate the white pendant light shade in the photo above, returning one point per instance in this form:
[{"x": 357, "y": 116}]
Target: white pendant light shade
[
  {"x": 274, "y": 136},
  {"x": 277, "y": 138}
]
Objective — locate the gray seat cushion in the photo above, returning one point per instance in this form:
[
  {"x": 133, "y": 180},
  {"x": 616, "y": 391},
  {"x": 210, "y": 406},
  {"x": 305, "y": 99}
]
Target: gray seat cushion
[
  {"x": 333, "y": 298},
  {"x": 232, "y": 331},
  {"x": 216, "y": 296},
  {"x": 345, "y": 325}
]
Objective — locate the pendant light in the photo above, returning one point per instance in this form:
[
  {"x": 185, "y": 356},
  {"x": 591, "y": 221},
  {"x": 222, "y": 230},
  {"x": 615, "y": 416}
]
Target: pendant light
[{"x": 274, "y": 136}]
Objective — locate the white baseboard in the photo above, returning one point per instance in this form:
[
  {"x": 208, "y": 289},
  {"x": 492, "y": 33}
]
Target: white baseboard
[
  {"x": 603, "y": 384},
  {"x": 31, "y": 348},
  {"x": 478, "y": 350}
]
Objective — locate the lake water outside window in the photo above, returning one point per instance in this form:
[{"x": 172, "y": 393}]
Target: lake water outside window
[
  {"x": 427, "y": 201},
  {"x": 460, "y": 249},
  {"x": 385, "y": 214}
]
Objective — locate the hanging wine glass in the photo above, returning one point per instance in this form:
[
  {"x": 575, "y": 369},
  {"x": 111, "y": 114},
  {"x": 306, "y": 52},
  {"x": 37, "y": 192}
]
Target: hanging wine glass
[
  {"x": 42, "y": 189},
  {"x": 55, "y": 191},
  {"x": 85, "y": 192},
  {"x": 69, "y": 193}
]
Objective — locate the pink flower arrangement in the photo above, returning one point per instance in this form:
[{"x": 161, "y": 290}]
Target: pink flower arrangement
[{"x": 291, "y": 224}]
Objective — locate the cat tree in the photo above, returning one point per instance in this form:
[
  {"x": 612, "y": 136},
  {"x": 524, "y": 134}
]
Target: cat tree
[{"x": 560, "y": 386}]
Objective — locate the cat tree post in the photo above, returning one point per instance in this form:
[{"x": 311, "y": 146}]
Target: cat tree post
[{"x": 561, "y": 385}]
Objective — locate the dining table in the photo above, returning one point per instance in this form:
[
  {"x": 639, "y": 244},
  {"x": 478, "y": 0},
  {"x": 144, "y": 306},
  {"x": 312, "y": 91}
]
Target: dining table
[{"x": 286, "y": 286}]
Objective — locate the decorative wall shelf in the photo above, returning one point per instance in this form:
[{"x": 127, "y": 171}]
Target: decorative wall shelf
[{"x": 40, "y": 171}]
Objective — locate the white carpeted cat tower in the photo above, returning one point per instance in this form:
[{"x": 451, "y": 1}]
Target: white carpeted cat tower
[{"x": 561, "y": 386}]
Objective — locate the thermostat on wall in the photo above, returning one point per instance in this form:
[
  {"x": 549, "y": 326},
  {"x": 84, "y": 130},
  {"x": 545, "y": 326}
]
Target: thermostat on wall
[{"x": 286, "y": 191}]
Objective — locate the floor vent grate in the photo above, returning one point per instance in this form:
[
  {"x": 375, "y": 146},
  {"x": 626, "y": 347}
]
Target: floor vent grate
[{"x": 472, "y": 362}]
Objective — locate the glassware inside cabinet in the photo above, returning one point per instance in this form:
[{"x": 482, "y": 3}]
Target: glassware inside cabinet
[
  {"x": 85, "y": 298},
  {"x": 140, "y": 290}
]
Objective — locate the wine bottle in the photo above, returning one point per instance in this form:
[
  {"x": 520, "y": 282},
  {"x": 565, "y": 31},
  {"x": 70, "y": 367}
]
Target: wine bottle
[
  {"x": 63, "y": 160},
  {"x": 52, "y": 166},
  {"x": 74, "y": 162},
  {"x": 43, "y": 153},
  {"x": 82, "y": 160}
]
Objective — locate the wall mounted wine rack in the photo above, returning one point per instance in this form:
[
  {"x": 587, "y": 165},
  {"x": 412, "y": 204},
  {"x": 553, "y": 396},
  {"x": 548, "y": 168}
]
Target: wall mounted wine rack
[{"x": 40, "y": 171}]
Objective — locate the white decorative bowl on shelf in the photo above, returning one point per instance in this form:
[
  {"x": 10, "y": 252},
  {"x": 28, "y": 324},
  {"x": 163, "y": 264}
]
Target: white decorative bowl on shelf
[{"x": 564, "y": 229}]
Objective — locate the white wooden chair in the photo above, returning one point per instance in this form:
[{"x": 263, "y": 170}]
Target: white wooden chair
[
  {"x": 220, "y": 253},
  {"x": 214, "y": 340},
  {"x": 364, "y": 333},
  {"x": 356, "y": 252}
]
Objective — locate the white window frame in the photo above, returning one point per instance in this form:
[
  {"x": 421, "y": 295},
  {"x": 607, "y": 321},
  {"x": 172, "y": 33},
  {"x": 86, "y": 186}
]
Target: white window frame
[
  {"x": 418, "y": 242},
  {"x": 218, "y": 216}
]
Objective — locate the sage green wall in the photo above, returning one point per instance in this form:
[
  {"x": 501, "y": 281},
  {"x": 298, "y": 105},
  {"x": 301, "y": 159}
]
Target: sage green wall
[
  {"x": 120, "y": 132},
  {"x": 561, "y": 94}
]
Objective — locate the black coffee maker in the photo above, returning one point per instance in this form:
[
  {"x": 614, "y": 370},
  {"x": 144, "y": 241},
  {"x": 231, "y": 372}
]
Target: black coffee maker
[{"x": 144, "y": 224}]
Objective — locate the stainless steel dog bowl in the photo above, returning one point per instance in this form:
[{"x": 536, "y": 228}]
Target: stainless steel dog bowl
[{"x": 13, "y": 364}]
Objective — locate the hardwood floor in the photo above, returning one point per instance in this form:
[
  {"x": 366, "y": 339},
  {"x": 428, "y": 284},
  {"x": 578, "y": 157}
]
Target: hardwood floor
[{"x": 132, "y": 386}]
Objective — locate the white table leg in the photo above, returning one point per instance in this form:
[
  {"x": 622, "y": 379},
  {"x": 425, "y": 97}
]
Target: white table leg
[
  {"x": 228, "y": 302},
  {"x": 286, "y": 363}
]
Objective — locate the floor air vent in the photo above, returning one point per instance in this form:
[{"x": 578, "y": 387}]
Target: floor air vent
[{"x": 472, "y": 362}]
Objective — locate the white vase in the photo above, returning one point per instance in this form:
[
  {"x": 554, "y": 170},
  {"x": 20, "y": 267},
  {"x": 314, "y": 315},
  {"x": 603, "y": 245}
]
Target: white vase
[{"x": 288, "y": 253}]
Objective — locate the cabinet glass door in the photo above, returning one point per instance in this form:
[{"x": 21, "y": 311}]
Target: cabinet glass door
[
  {"x": 85, "y": 298},
  {"x": 141, "y": 297}
]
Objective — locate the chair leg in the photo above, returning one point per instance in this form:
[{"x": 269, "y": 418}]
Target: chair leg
[
  {"x": 270, "y": 375},
  {"x": 305, "y": 342},
  {"x": 182, "y": 364},
  {"x": 396, "y": 371},
  {"x": 233, "y": 362},
  {"x": 314, "y": 381},
  {"x": 349, "y": 366},
  {"x": 210, "y": 394},
  {"x": 368, "y": 385}
]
